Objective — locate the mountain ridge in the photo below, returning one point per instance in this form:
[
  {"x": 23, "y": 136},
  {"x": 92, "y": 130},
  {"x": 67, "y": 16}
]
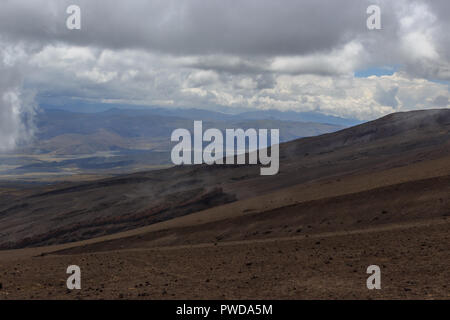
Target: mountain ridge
[{"x": 88, "y": 209}]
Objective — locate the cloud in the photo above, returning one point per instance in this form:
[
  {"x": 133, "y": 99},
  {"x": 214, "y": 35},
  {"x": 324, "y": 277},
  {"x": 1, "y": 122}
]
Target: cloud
[
  {"x": 16, "y": 106},
  {"x": 193, "y": 27},
  {"x": 135, "y": 76},
  {"x": 339, "y": 61},
  {"x": 386, "y": 97},
  {"x": 295, "y": 55},
  {"x": 441, "y": 101}
]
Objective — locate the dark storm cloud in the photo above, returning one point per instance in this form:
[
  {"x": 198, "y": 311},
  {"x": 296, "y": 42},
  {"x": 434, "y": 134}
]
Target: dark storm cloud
[
  {"x": 247, "y": 27},
  {"x": 252, "y": 30}
]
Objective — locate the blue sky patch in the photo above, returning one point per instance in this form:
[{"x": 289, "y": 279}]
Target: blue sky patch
[{"x": 376, "y": 71}]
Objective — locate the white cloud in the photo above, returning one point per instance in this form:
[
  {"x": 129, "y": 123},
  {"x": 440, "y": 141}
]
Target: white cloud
[
  {"x": 140, "y": 77},
  {"x": 339, "y": 61},
  {"x": 16, "y": 106}
]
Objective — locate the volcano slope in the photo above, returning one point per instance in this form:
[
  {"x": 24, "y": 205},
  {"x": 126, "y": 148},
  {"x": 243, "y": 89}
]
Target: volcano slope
[{"x": 377, "y": 193}]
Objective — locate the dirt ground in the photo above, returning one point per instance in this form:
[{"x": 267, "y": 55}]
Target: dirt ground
[{"x": 413, "y": 259}]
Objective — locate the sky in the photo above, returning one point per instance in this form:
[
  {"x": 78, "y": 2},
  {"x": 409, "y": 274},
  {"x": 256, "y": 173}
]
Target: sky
[{"x": 304, "y": 55}]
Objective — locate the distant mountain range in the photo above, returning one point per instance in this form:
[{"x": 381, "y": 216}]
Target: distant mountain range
[
  {"x": 65, "y": 132},
  {"x": 117, "y": 141},
  {"x": 201, "y": 114}
]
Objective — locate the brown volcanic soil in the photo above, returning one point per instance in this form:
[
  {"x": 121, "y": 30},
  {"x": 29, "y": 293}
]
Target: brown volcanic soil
[
  {"x": 316, "y": 249},
  {"x": 406, "y": 203},
  {"x": 379, "y": 196},
  {"x": 413, "y": 260}
]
